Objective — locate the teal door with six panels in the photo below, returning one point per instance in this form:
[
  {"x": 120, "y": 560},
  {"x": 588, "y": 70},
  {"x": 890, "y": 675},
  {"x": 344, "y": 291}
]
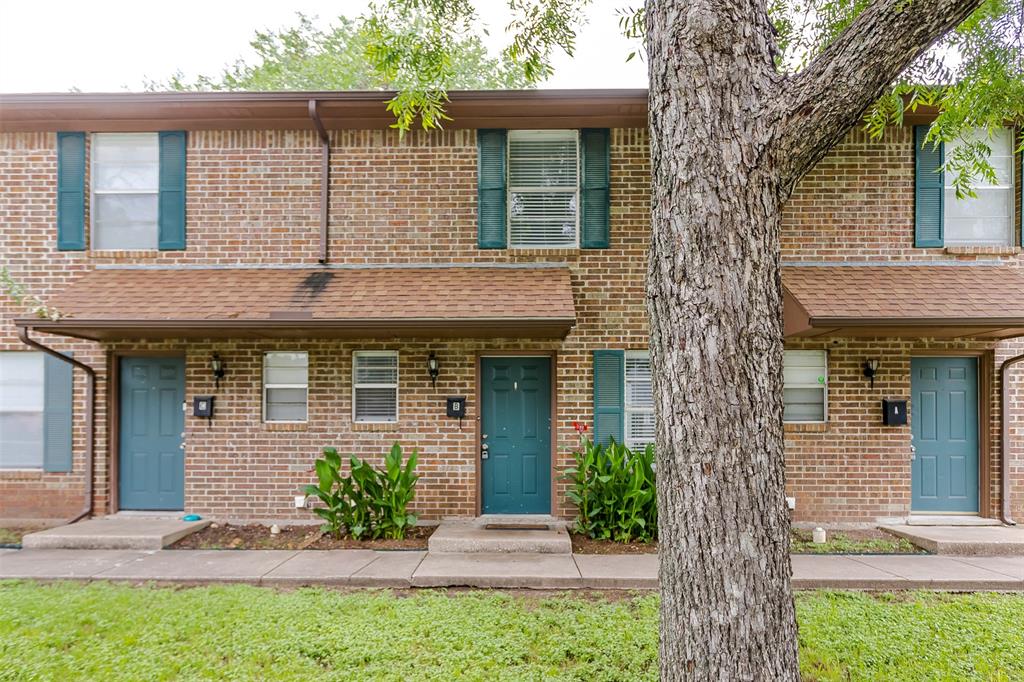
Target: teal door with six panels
[
  {"x": 516, "y": 435},
  {"x": 152, "y": 462},
  {"x": 944, "y": 425}
]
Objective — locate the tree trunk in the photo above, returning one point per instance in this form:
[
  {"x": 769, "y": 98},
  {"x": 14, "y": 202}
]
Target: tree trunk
[
  {"x": 730, "y": 137},
  {"x": 715, "y": 307}
]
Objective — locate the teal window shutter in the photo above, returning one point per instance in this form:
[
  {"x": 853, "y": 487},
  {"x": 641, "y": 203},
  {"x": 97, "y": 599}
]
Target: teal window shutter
[
  {"x": 57, "y": 414},
  {"x": 71, "y": 191},
  {"x": 609, "y": 398},
  {"x": 491, "y": 189},
  {"x": 594, "y": 196},
  {"x": 171, "y": 214},
  {"x": 929, "y": 190}
]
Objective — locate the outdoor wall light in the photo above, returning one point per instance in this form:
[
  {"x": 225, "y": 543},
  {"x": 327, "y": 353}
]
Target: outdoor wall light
[
  {"x": 217, "y": 367},
  {"x": 870, "y": 370},
  {"x": 434, "y": 367}
]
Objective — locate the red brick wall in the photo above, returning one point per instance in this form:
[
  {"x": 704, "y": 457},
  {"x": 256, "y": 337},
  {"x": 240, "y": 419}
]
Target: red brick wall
[
  {"x": 853, "y": 468},
  {"x": 253, "y": 199},
  {"x": 857, "y": 204}
]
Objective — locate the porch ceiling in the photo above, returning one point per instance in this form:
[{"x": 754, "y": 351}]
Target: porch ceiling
[
  {"x": 355, "y": 302},
  {"x": 903, "y": 301}
]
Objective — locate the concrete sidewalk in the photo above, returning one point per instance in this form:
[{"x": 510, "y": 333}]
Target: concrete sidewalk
[{"x": 368, "y": 568}]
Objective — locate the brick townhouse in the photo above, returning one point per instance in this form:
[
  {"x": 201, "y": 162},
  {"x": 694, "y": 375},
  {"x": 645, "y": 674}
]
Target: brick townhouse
[{"x": 245, "y": 278}]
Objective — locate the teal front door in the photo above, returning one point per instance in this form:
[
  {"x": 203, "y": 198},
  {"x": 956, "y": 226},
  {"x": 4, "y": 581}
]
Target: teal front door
[
  {"x": 944, "y": 425},
  {"x": 516, "y": 435},
  {"x": 152, "y": 462}
]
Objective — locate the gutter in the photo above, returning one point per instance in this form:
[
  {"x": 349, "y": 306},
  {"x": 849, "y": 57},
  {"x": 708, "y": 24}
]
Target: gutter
[
  {"x": 90, "y": 406},
  {"x": 1005, "y": 424},
  {"x": 325, "y": 176}
]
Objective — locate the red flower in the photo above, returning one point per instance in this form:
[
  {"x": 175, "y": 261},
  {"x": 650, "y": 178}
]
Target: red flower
[{"x": 580, "y": 427}]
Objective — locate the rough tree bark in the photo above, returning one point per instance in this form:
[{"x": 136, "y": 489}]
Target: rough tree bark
[{"x": 730, "y": 137}]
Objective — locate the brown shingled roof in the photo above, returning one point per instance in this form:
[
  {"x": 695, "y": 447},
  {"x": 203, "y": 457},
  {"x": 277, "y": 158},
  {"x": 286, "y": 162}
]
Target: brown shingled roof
[
  {"x": 904, "y": 300},
  {"x": 416, "y": 301}
]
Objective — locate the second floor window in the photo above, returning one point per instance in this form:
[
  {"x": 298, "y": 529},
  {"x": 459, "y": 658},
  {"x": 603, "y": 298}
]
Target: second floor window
[
  {"x": 543, "y": 188},
  {"x": 125, "y": 178},
  {"x": 985, "y": 220}
]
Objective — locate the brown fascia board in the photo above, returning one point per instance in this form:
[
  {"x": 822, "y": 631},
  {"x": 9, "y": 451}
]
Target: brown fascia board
[
  {"x": 917, "y": 321},
  {"x": 109, "y": 329},
  {"x": 127, "y": 112}
]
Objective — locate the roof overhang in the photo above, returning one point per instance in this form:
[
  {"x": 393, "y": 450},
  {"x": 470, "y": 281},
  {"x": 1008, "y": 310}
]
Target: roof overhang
[
  {"x": 128, "y": 303},
  {"x": 876, "y": 301},
  {"x": 360, "y": 110}
]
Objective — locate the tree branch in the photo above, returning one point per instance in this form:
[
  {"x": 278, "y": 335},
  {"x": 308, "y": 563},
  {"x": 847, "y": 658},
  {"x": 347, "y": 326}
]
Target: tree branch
[{"x": 822, "y": 102}]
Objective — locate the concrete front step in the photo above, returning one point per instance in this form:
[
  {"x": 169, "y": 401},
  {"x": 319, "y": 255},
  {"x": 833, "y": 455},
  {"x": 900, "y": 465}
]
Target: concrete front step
[
  {"x": 964, "y": 540},
  {"x": 501, "y": 534},
  {"x": 114, "y": 533}
]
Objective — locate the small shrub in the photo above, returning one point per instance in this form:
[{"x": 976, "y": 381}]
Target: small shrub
[
  {"x": 614, "y": 492},
  {"x": 368, "y": 502}
]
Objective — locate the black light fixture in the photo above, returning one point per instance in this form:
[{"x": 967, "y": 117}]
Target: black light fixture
[
  {"x": 434, "y": 367},
  {"x": 870, "y": 370},
  {"x": 217, "y": 367}
]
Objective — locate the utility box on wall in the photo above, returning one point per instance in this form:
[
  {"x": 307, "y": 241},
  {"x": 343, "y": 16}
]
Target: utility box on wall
[
  {"x": 894, "y": 412},
  {"x": 202, "y": 406},
  {"x": 456, "y": 406}
]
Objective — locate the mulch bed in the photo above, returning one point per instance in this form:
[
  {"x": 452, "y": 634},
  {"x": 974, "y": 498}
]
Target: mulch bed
[
  {"x": 257, "y": 536},
  {"x": 582, "y": 544}
]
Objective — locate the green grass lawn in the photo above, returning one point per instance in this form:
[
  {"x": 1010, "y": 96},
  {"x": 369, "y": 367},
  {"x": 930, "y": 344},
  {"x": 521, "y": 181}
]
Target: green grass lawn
[{"x": 70, "y": 631}]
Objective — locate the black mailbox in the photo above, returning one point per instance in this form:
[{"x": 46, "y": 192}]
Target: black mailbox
[
  {"x": 457, "y": 406},
  {"x": 202, "y": 406},
  {"x": 894, "y": 412}
]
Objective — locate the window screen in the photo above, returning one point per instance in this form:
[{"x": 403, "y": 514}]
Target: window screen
[
  {"x": 285, "y": 386},
  {"x": 805, "y": 386},
  {"x": 21, "y": 410},
  {"x": 543, "y": 179},
  {"x": 985, "y": 220},
  {"x": 375, "y": 386},
  {"x": 125, "y": 190},
  {"x": 639, "y": 402}
]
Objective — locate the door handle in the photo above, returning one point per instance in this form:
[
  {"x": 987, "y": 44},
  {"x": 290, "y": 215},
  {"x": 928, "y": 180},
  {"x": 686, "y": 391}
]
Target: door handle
[{"x": 483, "y": 451}]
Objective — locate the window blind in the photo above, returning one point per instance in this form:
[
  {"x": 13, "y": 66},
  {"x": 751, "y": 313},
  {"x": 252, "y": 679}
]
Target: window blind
[{"x": 543, "y": 179}]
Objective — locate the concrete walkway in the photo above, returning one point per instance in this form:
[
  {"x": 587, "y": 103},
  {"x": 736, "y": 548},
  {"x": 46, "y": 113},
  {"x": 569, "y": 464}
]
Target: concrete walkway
[
  {"x": 964, "y": 540},
  {"x": 368, "y": 568}
]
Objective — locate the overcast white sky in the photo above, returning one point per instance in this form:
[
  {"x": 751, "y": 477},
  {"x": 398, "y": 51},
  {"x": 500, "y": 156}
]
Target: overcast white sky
[{"x": 115, "y": 45}]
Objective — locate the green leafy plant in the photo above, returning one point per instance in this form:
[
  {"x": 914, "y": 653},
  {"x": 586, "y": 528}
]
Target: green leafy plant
[
  {"x": 368, "y": 502},
  {"x": 614, "y": 492}
]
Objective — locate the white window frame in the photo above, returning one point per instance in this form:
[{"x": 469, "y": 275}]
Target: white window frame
[
  {"x": 1011, "y": 236},
  {"x": 632, "y": 409},
  {"x": 267, "y": 386},
  {"x": 41, "y": 412},
  {"x": 823, "y": 387},
  {"x": 530, "y": 188},
  {"x": 93, "y": 192},
  {"x": 356, "y": 386}
]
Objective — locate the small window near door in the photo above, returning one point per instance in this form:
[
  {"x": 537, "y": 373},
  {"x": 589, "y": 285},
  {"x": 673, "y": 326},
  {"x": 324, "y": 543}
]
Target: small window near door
[
  {"x": 375, "y": 386},
  {"x": 805, "y": 386},
  {"x": 986, "y": 219},
  {"x": 285, "y": 386},
  {"x": 21, "y": 410},
  {"x": 639, "y": 403},
  {"x": 125, "y": 182},
  {"x": 543, "y": 188}
]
